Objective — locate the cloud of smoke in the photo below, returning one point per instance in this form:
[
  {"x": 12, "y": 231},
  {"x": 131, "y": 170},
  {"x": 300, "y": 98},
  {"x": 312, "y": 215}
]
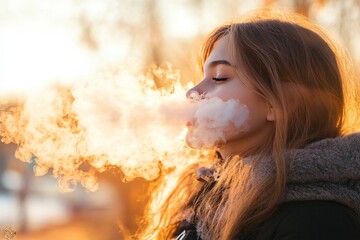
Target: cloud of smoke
[
  {"x": 117, "y": 120},
  {"x": 213, "y": 118}
]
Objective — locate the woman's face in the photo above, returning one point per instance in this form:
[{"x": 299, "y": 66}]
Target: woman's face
[{"x": 222, "y": 81}]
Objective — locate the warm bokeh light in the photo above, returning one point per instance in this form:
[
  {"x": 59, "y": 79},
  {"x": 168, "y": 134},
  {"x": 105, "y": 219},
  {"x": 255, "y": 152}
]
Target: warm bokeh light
[{"x": 32, "y": 57}]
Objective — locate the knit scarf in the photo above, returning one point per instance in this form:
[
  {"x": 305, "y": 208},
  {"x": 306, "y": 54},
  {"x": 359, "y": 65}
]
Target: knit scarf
[{"x": 328, "y": 169}]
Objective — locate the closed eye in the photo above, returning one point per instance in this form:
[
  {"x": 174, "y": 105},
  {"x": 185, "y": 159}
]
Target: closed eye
[{"x": 219, "y": 79}]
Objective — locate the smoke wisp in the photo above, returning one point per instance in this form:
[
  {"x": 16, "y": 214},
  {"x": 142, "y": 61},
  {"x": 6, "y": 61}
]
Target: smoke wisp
[{"x": 117, "y": 120}]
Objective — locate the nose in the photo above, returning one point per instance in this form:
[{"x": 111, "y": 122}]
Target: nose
[
  {"x": 189, "y": 93},
  {"x": 198, "y": 90}
]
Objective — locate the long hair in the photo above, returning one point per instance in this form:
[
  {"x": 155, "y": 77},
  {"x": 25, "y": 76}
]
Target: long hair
[{"x": 301, "y": 73}]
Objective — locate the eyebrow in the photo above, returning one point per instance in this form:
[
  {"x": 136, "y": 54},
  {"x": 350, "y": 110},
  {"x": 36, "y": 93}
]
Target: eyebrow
[{"x": 218, "y": 62}]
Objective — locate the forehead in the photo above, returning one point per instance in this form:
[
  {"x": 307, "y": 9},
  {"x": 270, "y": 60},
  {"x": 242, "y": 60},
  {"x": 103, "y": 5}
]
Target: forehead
[{"x": 220, "y": 52}]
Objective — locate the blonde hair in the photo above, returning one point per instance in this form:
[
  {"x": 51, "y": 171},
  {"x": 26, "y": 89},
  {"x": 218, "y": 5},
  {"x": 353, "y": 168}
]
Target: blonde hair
[{"x": 294, "y": 66}]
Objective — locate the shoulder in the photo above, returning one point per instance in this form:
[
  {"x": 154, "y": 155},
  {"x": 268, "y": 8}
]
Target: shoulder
[{"x": 311, "y": 220}]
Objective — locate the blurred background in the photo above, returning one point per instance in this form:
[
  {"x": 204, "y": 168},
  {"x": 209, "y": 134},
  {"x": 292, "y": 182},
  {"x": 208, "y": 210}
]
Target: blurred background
[{"x": 44, "y": 41}]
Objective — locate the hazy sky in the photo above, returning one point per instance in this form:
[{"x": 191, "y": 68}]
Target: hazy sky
[{"x": 45, "y": 41}]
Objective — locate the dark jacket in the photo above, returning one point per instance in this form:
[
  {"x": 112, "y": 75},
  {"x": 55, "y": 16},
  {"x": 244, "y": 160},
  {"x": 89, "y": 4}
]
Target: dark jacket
[
  {"x": 322, "y": 194},
  {"x": 300, "y": 220},
  {"x": 310, "y": 220}
]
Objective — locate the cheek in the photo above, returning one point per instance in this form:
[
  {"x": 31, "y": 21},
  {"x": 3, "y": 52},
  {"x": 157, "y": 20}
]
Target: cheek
[
  {"x": 228, "y": 91},
  {"x": 253, "y": 124}
]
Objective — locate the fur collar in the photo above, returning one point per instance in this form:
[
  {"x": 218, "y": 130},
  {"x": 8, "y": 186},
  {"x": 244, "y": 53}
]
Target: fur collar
[{"x": 328, "y": 169}]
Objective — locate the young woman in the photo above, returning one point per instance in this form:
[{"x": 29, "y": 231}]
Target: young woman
[{"x": 293, "y": 171}]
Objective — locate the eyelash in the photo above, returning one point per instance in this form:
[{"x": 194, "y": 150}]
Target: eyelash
[{"x": 219, "y": 79}]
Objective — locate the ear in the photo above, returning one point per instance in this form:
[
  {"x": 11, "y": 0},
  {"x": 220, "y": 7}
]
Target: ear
[{"x": 271, "y": 114}]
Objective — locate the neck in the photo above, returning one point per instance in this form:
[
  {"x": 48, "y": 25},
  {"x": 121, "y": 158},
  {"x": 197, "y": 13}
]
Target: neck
[{"x": 248, "y": 145}]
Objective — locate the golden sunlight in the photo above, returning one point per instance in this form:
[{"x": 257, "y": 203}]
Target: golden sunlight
[
  {"x": 32, "y": 57},
  {"x": 100, "y": 111}
]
